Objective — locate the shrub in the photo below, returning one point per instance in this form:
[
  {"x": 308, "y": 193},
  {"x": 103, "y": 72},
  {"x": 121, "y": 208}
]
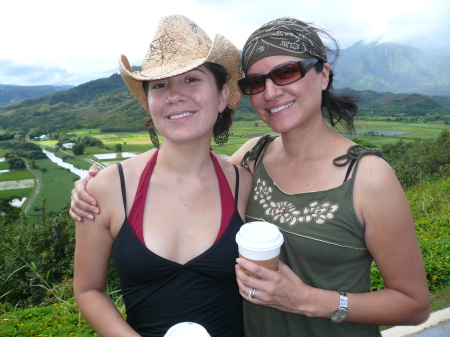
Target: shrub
[
  {"x": 420, "y": 161},
  {"x": 36, "y": 259},
  {"x": 78, "y": 148},
  {"x": 431, "y": 211},
  {"x": 35, "y": 255},
  {"x": 37, "y": 155},
  {"x": 58, "y": 320},
  {"x": 16, "y": 163}
]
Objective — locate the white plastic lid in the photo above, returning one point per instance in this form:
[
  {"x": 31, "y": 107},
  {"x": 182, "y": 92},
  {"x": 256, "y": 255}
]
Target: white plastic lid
[
  {"x": 187, "y": 329},
  {"x": 259, "y": 235}
]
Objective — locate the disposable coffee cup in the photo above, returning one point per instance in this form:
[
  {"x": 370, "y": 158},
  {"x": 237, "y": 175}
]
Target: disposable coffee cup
[
  {"x": 260, "y": 242},
  {"x": 187, "y": 329}
]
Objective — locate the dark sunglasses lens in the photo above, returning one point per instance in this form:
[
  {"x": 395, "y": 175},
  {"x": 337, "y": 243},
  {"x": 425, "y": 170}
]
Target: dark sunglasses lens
[
  {"x": 252, "y": 85},
  {"x": 286, "y": 74}
]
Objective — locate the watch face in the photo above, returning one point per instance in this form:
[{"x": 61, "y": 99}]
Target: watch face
[{"x": 339, "y": 316}]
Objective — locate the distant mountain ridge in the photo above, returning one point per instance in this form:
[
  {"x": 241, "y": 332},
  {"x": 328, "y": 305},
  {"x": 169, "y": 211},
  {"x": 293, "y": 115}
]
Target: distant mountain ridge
[
  {"x": 97, "y": 103},
  {"x": 392, "y": 68},
  {"x": 107, "y": 103},
  {"x": 15, "y": 93}
]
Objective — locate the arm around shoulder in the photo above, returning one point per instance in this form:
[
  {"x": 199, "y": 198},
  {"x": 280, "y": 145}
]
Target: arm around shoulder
[
  {"x": 236, "y": 158},
  {"x": 84, "y": 205}
]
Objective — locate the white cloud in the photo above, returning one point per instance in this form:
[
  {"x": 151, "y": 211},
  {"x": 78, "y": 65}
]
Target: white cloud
[{"x": 82, "y": 41}]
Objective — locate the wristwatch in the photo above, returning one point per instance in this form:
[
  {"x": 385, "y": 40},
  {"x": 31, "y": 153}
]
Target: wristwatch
[{"x": 341, "y": 313}]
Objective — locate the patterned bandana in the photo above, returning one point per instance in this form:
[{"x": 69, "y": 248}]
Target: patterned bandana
[{"x": 285, "y": 36}]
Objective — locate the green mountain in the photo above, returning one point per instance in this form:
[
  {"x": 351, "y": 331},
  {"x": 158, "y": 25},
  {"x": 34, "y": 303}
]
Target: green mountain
[
  {"x": 390, "y": 104},
  {"x": 100, "y": 103},
  {"x": 392, "y": 68},
  {"x": 14, "y": 93},
  {"x": 107, "y": 104}
]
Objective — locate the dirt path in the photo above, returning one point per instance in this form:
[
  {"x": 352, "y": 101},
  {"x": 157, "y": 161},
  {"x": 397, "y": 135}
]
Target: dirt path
[{"x": 38, "y": 187}]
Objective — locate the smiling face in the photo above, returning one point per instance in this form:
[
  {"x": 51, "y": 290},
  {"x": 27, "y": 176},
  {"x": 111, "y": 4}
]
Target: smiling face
[
  {"x": 296, "y": 105},
  {"x": 185, "y": 107}
]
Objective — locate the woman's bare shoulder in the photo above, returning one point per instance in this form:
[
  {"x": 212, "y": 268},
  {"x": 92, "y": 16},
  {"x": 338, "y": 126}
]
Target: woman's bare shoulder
[
  {"x": 373, "y": 171},
  {"x": 244, "y": 175},
  {"x": 102, "y": 182}
]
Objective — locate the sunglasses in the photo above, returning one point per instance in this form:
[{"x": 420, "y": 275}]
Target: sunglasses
[{"x": 283, "y": 75}]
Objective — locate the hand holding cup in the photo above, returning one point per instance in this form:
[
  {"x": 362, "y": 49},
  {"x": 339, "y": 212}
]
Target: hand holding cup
[{"x": 260, "y": 242}]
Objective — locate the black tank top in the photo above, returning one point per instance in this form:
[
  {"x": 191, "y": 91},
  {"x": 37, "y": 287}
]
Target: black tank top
[{"x": 159, "y": 293}]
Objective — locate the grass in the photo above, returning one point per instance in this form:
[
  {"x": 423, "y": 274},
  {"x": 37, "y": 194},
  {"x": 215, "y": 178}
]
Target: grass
[
  {"x": 440, "y": 299},
  {"x": 19, "y": 192},
  {"x": 16, "y": 175},
  {"x": 59, "y": 319},
  {"x": 56, "y": 184},
  {"x": 415, "y": 130},
  {"x": 74, "y": 160},
  {"x": 241, "y": 131}
]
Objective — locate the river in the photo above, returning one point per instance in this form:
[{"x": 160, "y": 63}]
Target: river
[{"x": 79, "y": 172}]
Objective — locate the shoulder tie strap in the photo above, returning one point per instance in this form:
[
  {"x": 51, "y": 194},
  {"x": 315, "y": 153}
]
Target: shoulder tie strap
[
  {"x": 256, "y": 151},
  {"x": 356, "y": 152}
]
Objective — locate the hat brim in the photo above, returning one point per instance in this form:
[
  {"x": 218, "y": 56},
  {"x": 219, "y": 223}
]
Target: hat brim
[{"x": 222, "y": 52}]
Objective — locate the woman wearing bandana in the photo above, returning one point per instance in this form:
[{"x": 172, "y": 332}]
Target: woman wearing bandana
[{"x": 339, "y": 205}]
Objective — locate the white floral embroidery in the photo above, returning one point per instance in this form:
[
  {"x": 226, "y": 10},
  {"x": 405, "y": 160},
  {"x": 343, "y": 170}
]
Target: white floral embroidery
[
  {"x": 262, "y": 191},
  {"x": 286, "y": 213}
]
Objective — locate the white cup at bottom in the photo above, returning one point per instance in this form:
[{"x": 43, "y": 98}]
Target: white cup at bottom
[{"x": 187, "y": 329}]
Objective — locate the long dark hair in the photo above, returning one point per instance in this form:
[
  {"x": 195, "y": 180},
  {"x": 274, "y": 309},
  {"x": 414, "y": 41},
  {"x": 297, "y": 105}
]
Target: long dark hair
[
  {"x": 220, "y": 76},
  {"x": 336, "y": 109}
]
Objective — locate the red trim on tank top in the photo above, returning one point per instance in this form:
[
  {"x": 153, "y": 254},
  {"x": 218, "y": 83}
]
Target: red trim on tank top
[{"x": 136, "y": 216}]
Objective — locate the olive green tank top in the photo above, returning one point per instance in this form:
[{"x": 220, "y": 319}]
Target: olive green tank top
[{"x": 323, "y": 244}]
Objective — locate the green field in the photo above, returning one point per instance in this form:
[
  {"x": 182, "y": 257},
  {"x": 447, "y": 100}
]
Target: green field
[
  {"x": 415, "y": 131},
  {"x": 18, "y": 192},
  {"x": 242, "y": 131},
  {"x": 16, "y": 175},
  {"x": 56, "y": 184}
]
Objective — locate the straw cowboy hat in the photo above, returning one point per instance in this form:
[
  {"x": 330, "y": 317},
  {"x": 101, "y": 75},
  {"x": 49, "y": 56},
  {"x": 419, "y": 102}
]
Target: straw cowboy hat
[{"x": 179, "y": 45}]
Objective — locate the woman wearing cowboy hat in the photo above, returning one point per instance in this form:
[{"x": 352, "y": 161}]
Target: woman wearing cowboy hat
[{"x": 170, "y": 215}]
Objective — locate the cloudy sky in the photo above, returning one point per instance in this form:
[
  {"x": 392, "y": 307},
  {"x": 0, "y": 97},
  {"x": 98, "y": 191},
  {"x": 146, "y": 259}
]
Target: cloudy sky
[{"x": 59, "y": 42}]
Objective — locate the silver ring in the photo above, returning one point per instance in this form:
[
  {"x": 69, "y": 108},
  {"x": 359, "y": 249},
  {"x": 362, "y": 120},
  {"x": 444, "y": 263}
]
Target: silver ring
[{"x": 251, "y": 294}]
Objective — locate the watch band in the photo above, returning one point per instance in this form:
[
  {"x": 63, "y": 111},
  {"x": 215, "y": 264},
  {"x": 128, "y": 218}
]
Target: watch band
[
  {"x": 341, "y": 313},
  {"x": 343, "y": 300}
]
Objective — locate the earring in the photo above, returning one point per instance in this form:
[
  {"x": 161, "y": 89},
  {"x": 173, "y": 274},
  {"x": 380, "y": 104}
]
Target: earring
[
  {"x": 220, "y": 131},
  {"x": 153, "y": 136}
]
